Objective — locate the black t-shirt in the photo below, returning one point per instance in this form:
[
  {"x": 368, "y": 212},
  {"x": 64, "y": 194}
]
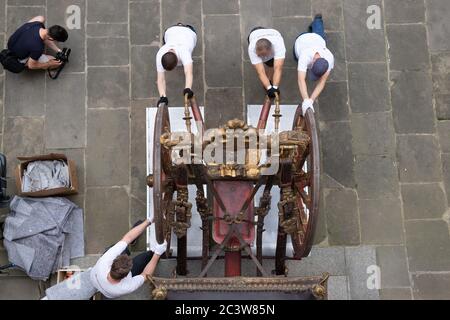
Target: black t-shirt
[{"x": 26, "y": 41}]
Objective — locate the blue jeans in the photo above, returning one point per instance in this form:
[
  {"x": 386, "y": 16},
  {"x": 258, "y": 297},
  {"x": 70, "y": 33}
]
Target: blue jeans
[{"x": 315, "y": 27}]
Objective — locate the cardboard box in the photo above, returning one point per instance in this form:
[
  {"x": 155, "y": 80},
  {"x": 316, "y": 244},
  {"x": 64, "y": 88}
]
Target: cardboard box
[{"x": 73, "y": 189}]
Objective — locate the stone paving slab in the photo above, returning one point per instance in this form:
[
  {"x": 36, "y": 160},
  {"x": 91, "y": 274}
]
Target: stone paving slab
[
  {"x": 381, "y": 222},
  {"x": 107, "y": 30},
  {"x": 65, "y": 118},
  {"x": 368, "y": 139},
  {"x": 336, "y": 44},
  {"x": 333, "y": 102},
  {"x": 418, "y": 158},
  {"x": 404, "y": 11},
  {"x": 143, "y": 77},
  {"x": 27, "y": 102},
  {"x": 221, "y": 7},
  {"x": 220, "y": 33},
  {"x": 368, "y": 88},
  {"x": 337, "y": 152},
  {"x": 446, "y": 174},
  {"x": 363, "y": 45},
  {"x": 331, "y": 260},
  {"x": 376, "y": 177},
  {"x": 444, "y": 135},
  {"x": 107, "y": 217},
  {"x": 341, "y": 207},
  {"x": 396, "y": 294},
  {"x": 107, "y": 52},
  {"x": 412, "y": 107},
  {"x": 359, "y": 260},
  {"x": 111, "y": 11},
  {"x": 394, "y": 269},
  {"x": 428, "y": 245},
  {"x": 408, "y": 47},
  {"x": 423, "y": 201},
  {"x": 431, "y": 286},
  {"x": 144, "y": 31},
  {"x": 437, "y": 11},
  {"x": 23, "y": 137},
  {"x": 106, "y": 165},
  {"x": 18, "y": 288},
  {"x": 231, "y": 98},
  {"x": 108, "y": 87}
]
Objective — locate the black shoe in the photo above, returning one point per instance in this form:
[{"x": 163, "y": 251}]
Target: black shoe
[{"x": 318, "y": 16}]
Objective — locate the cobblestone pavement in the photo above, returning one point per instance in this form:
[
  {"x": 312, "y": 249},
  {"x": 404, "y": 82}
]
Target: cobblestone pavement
[{"x": 384, "y": 117}]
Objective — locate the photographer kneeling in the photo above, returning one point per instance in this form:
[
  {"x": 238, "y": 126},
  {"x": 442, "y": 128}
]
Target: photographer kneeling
[{"x": 27, "y": 45}]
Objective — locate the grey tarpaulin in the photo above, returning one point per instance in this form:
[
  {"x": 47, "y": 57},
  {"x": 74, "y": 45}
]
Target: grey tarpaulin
[
  {"x": 77, "y": 287},
  {"x": 43, "y": 234}
]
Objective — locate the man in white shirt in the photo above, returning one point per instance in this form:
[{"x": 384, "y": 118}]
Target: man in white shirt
[
  {"x": 315, "y": 61},
  {"x": 116, "y": 274},
  {"x": 267, "y": 53},
  {"x": 179, "y": 43}
]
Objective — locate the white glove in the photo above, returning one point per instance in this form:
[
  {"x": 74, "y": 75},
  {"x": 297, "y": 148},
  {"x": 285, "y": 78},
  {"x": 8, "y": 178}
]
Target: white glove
[
  {"x": 159, "y": 249},
  {"x": 307, "y": 104}
]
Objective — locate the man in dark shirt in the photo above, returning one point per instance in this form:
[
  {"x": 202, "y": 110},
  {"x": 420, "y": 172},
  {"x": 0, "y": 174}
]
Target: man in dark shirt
[{"x": 28, "y": 43}]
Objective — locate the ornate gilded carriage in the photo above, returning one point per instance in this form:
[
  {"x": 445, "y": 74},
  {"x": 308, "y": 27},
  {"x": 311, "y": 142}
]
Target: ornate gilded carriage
[{"x": 234, "y": 162}]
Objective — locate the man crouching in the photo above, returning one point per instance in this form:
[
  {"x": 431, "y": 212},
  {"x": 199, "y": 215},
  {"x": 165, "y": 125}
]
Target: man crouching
[{"x": 116, "y": 274}]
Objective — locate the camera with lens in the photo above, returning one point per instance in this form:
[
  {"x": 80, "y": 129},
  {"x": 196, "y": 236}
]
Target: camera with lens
[{"x": 62, "y": 56}]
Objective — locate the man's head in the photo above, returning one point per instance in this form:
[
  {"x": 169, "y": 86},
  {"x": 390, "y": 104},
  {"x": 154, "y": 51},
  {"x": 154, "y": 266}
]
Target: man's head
[
  {"x": 263, "y": 48},
  {"x": 169, "y": 60},
  {"x": 120, "y": 267},
  {"x": 57, "y": 33},
  {"x": 319, "y": 68}
]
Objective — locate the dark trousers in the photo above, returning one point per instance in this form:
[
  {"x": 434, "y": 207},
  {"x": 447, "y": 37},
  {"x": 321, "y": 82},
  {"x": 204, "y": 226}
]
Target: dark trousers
[
  {"x": 315, "y": 27},
  {"x": 140, "y": 262}
]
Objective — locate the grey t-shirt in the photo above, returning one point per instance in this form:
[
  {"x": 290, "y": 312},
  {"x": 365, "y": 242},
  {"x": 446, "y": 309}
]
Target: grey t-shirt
[{"x": 99, "y": 275}]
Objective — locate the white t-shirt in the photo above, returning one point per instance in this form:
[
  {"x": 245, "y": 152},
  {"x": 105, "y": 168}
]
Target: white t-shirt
[
  {"x": 99, "y": 275},
  {"x": 279, "y": 50},
  {"x": 182, "y": 41},
  {"x": 306, "y": 46}
]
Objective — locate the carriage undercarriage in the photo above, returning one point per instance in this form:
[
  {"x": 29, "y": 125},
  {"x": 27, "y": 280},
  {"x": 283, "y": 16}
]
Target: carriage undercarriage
[{"x": 233, "y": 162}]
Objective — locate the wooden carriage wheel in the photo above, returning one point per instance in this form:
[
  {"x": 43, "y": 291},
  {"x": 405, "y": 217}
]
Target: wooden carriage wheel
[
  {"x": 307, "y": 188},
  {"x": 162, "y": 186}
]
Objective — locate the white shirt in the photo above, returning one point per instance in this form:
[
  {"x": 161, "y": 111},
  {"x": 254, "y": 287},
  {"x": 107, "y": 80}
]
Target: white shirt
[
  {"x": 306, "y": 46},
  {"x": 278, "y": 52},
  {"x": 99, "y": 275},
  {"x": 182, "y": 41}
]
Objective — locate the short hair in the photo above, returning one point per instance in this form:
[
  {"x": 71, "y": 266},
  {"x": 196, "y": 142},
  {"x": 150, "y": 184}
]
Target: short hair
[
  {"x": 263, "y": 45},
  {"x": 58, "y": 33},
  {"x": 121, "y": 267},
  {"x": 169, "y": 61}
]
